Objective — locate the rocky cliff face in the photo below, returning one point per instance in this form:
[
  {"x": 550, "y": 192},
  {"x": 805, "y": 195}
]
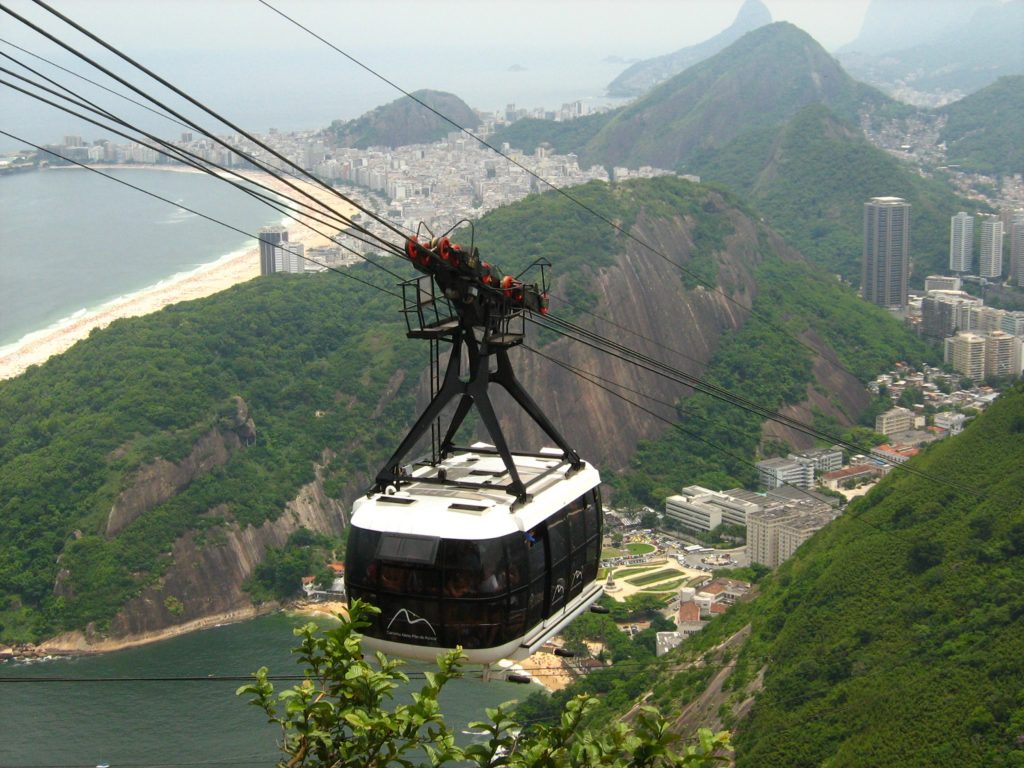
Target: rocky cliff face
[
  {"x": 654, "y": 313},
  {"x": 207, "y": 575},
  {"x": 157, "y": 482}
]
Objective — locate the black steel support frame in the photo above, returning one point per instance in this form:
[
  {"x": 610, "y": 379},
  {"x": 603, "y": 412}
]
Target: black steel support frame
[{"x": 473, "y": 391}]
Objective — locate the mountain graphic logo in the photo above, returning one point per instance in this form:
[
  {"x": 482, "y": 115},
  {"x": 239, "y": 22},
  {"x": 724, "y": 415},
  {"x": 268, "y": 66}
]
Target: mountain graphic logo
[{"x": 407, "y": 624}]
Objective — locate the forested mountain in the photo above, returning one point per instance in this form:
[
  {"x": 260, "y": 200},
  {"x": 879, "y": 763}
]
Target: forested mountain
[
  {"x": 146, "y": 472},
  {"x": 892, "y": 638},
  {"x": 644, "y": 75},
  {"x": 811, "y": 179},
  {"x": 403, "y": 121},
  {"x": 984, "y": 132},
  {"x": 758, "y": 82}
]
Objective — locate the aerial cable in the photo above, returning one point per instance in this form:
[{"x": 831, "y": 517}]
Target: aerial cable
[
  {"x": 618, "y": 228},
  {"x": 653, "y": 366},
  {"x": 184, "y": 155},
  {"x": 343, "y": 273},
  {"x": 77, "y": 100},
  {"x": 172, "y": 151},
  {"x": 267, "y": 168},
  {"x": 95, "y": 38},
  {"x": 606, "y": 384},
  {"x": 94, "y": 83},
  {"x": 625, "y": 328},
  {"x": 191, "y": 123}
]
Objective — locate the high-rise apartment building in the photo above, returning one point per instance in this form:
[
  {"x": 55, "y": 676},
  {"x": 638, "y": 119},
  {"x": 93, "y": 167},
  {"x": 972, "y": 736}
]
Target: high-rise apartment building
[
  {"x": 1017, "y": 249},
  {"x": 1002, "y": 354},
  {"x": 961, "y": 243},
  {"x": 990, "y": 257},
  {"x": 290, "y": 257},
  {"x": 270, "y": 242},
  {"x": 966, "y": 353},
  {"x": 886, "y": 260}
]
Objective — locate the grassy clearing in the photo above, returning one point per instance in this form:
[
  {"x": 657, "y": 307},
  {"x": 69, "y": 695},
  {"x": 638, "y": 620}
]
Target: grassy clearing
[
  {"x": 669, "y": 587},
  {"x": 652, "y": 578},
  {"x": 639, "y": 548}
]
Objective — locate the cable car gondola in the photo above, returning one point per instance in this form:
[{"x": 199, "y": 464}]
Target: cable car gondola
[{"x": 482, "y": 547}]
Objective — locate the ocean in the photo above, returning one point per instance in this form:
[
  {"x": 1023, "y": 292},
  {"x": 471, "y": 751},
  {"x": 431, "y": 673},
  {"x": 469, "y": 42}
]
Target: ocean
[
  {"x": 71, "y": 240},
  {"x": 49, "y": 724}
]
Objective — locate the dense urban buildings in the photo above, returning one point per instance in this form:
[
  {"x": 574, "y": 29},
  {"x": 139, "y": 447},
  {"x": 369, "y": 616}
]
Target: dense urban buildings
[
  {"x": 961, "y": 243},
  {"x": 885, "y": 268}
]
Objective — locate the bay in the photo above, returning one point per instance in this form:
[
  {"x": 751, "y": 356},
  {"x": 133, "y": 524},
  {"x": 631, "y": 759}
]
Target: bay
[
  {"x": 141, "y": 724},
  {"x": 71, "y": 240}
]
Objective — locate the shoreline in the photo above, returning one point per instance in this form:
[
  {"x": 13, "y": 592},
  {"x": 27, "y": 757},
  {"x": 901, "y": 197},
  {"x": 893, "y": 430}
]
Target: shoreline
[
  {"x": 75, "y": 643},
  {"x": 225, "y": 271},
  {"x": 545, "y": 669}
]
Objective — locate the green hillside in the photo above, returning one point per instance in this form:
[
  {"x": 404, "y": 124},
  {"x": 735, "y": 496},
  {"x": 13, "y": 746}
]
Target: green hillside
[
  {"x": 811, "y": 179},
  {"x": 772, "y": 369},
  {"x": 309, "y": 356},
  {"x": 404, "y": 121},
  {"x": 984, "y": 132},
  {"x": 893, "y": 637}
]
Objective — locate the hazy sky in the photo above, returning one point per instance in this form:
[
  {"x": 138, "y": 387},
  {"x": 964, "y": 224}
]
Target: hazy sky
[{"x": 633, "y": 27}]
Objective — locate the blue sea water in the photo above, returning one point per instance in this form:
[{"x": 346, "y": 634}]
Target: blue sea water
[
  {"x": 71, "y": 240},
  {"x": 199, "y": 722}
]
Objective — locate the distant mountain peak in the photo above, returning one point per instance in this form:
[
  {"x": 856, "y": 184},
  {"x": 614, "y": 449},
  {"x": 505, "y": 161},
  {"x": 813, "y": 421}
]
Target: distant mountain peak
[{"x": 644, "y": 75}]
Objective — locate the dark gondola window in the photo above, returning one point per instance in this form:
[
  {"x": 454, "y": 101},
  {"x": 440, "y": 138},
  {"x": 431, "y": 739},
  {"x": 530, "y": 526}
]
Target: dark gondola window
[{"x": 558, "y": 547}]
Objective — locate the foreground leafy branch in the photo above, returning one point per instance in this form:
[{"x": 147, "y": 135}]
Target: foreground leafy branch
[{"x": 341, "y": 715}]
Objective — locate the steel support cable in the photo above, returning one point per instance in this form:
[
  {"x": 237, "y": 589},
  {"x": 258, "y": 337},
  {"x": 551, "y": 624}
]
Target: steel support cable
[
  {"x": 109, "y": 47},
  {"x": 272, "y": 170},
  {"x": 170, "y": 150},
  {"x": 699, "y": 384},
  {"x": 607, "y": 384},
  {"x": 343, "y": 273},
  {"x": 198, "y": 163},
  {"x": 625, "y": 328},
  {"x": 93, "y": 83},
  {"x": 217, "y": 116},
  {"x": 653, "y": 366},
  {"x": 193, "y": 101},
  {"x": 707, "y": 284}
]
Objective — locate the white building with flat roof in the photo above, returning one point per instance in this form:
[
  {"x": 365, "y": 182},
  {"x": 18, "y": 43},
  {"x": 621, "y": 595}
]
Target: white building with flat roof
[
  {"x": 792, "y": 471},
  {"x": 700, "y": 509}
]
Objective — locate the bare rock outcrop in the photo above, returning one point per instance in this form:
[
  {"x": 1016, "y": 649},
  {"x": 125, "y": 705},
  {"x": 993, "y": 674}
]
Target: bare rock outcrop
[
  {"x": 205, "y": 579},
  {"x": 655, "y": 314},
  {"x": 160, "y": 480}
]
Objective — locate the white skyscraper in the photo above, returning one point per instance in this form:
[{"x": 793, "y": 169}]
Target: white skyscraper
[
  {"x": 990, "y": 259},
  {"x": 961, "y": 243}
]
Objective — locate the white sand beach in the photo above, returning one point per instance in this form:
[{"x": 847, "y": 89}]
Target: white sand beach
[{"x": 239, "y": 267}]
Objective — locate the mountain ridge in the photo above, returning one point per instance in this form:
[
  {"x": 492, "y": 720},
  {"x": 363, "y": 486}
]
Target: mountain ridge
[{"x": 644, "y": 75}]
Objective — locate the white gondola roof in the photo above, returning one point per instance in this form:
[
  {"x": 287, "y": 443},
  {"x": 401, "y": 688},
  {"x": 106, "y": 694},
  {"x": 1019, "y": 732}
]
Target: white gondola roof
[{"x": 483, "y": 511}]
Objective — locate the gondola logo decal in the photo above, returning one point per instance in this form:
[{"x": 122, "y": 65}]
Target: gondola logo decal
[{"x": 407, "y": 624}]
